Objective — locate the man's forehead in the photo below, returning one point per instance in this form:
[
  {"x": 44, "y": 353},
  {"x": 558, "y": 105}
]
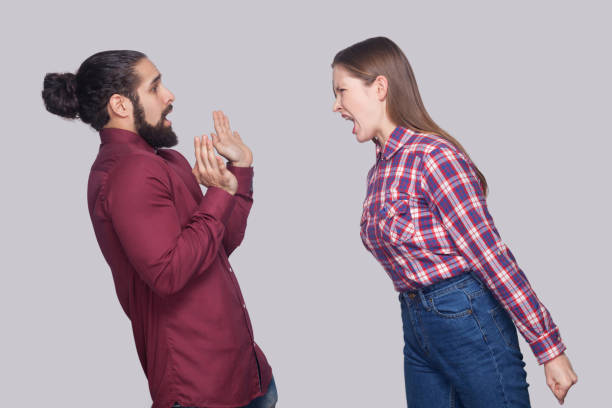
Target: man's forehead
[{"x": 146, "y": 70}]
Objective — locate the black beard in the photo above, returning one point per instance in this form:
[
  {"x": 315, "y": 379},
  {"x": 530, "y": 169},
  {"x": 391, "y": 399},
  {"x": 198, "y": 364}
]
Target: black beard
[{"x": 158, "y": 135}]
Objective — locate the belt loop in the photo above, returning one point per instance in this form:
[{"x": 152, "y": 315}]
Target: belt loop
[{"x": 423, "y": 300}]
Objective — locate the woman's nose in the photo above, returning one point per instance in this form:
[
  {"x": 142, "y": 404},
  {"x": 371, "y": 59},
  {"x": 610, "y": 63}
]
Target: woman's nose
[{"x": 336, "y": 106}]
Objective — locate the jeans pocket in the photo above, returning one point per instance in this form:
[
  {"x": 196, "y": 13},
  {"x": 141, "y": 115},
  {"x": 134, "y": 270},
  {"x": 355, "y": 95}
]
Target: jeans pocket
[
  {"x": 506, "y": 328},
  {"x": 451, "y": 304}
]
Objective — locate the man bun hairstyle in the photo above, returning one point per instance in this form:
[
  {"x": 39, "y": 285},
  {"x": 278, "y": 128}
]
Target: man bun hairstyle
[
  {"x": 59, "y": 94},
  {"x": 86, "y": 94}
]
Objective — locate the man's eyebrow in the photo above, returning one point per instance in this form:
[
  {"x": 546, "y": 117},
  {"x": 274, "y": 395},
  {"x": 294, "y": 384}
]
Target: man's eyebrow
[{"x": 155, "y": 80}]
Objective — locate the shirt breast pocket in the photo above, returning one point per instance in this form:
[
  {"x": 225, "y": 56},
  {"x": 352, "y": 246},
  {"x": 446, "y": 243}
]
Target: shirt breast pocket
[{"x": 395, "y": 223}]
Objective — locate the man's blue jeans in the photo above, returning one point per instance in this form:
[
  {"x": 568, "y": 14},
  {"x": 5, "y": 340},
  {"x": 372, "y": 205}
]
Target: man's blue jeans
[
  {"x": 268, "y": 400},
  {"x": 461, "y": 348}
]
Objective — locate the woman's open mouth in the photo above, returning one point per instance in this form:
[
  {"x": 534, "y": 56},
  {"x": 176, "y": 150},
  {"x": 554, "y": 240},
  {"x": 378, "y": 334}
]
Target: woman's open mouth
[{"x": 346, "y": 117}]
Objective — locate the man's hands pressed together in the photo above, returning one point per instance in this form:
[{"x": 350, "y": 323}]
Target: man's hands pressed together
[
  {"x": 228, "y": 143},
  {"x": 210, "y": 170}
]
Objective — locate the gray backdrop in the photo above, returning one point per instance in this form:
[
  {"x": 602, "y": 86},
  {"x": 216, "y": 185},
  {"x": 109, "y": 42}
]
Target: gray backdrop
[{"x": 525, "y": 86}]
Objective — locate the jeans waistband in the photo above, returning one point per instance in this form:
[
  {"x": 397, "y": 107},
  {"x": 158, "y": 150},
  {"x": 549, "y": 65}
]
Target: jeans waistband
[{"x": 444, "y": 283}]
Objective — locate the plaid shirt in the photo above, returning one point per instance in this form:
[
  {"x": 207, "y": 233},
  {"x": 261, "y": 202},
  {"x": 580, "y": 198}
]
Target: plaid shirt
[{"x": 425, "y": 219}]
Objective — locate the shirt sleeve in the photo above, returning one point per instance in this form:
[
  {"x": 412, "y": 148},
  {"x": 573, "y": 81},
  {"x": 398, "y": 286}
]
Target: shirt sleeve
[
  {"x": 243, "y": 201},
  {"x": 141, "y": 206},
  {"x": 452, "y": 186}
]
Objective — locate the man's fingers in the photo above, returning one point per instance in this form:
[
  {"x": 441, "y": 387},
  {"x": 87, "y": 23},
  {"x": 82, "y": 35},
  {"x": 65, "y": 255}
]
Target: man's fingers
[
  {"x": 196, "y": 173},
  {"x": 237, "y": 135},
  {"x": 196, "y": 147},
  {"x": 197, "y": 144},
  {"x": 211, "y": 156},
  {"x": 222, "y": 166},
  {"x": 220, "y": 127},
  {"x": 204, "y": 154},
  {"x": 225, "y": 121},
  {"x": 204, "y": 162},
  {"x": 216, "y": 122}
]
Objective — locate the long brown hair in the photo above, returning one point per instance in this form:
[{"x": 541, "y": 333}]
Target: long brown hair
[{"x": 368, "y": 59}]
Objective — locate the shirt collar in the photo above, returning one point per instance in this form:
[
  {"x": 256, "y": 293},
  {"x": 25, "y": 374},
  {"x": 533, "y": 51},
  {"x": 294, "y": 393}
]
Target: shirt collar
[
  {"x": 114, "y": 135},
  {"x": 399, "y": 137}
]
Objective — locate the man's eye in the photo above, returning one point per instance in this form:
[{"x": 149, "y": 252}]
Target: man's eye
[{"x": 154, "y": 89}]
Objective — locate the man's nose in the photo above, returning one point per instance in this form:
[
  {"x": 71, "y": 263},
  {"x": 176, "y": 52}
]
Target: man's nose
[{"x": 168, "y": 96}]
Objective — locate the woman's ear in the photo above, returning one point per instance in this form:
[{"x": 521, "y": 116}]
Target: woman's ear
[{"x": 382, "y": 85}]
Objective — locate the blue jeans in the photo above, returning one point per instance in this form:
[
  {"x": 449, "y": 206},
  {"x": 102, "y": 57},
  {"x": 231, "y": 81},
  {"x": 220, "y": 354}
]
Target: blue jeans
[
  {"x": 268, "y": 400},
  {"x": 461, "y": 348}
]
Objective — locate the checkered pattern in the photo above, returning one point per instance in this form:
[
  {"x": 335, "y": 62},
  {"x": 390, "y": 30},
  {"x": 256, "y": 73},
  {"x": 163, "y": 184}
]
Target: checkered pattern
[{"x": 425, "y": 219}]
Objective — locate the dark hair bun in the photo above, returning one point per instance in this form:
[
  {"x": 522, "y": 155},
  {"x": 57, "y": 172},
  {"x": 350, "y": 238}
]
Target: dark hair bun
[{"x": 59, "y": 94}]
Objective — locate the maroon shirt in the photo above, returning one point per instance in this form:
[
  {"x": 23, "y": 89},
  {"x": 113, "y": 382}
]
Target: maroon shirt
[{"x": 167, "y": 245}]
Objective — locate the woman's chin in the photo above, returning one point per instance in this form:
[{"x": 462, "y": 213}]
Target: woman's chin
[{"x": 361, "y": 138}]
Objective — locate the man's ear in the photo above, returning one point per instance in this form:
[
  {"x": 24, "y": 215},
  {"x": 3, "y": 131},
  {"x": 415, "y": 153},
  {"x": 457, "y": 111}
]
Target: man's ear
[
  {"x": 119, "y": 106},
  {"x": 382, "y": 86}
]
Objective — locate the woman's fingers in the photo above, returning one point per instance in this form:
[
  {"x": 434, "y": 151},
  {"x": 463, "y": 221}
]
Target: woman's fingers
[
  {"x": 560, "y": 376},
  {"x": 560, "y": 387},
  {"x": 559, "y": 391}
]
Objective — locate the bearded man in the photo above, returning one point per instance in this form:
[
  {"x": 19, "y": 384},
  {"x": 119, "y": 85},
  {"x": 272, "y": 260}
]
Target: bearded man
[{"x": 166, "y": 243}]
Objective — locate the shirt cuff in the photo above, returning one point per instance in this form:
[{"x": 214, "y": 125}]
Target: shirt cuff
[
  {"x": 548, "y": 346},
  {"x": 218, "y": 203},
  {"x": 244, "y": 175}
]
